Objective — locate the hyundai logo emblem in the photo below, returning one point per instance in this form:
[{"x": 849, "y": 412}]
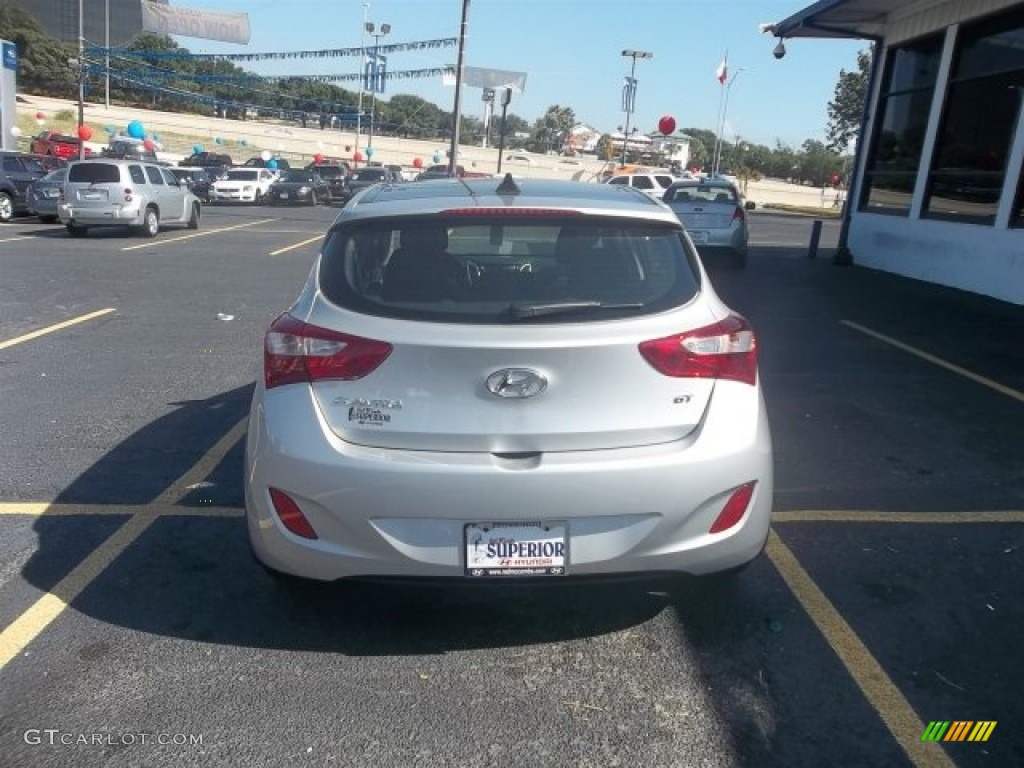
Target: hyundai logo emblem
[{"x": 516, "y": 383}]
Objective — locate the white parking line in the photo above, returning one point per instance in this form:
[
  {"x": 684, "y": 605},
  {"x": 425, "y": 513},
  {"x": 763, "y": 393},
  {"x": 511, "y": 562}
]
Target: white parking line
[
  {"x": 196, "y": 234},
  {"x": 16, "y": 239}
]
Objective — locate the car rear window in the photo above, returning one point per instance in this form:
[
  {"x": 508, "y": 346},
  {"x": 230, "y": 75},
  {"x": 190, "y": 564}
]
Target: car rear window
[
  {"x": 487, "y": 270},
  {"x": 701, "y": 193},
  {"x": 95, "y": 173}
]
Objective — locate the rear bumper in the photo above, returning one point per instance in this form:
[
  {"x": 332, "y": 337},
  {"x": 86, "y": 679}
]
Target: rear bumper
[
  {"x": 113, "y": 214},
  {"x": 384, "y": 512}
]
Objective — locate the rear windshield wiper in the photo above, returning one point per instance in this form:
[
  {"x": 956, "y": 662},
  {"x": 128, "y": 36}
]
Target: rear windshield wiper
[{"x": 516, "y": 311}]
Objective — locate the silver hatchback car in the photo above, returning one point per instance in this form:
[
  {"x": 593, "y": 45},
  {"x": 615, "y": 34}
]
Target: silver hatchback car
[
  {"x": 497, "y": 379},
  {"x": 714, "y": 215}
]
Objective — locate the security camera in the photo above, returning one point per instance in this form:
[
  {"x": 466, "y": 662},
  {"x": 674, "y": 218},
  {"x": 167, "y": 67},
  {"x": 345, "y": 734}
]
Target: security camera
[{"x": 780, "y": 50}]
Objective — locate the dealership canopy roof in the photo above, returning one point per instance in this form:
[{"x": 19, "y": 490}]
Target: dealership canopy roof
[{"x": 841, "y": 18}]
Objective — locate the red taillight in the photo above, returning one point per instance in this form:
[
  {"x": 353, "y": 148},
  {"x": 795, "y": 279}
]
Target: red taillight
[
  {"x": 127, "y": 194},
  {"x": 295, "y": 352},
  {"x": 290, "y": 514},
  {"x": 739, "y": 214},
  {"x": 734, "y": 509},
  {"x": 724, "y": 350}
]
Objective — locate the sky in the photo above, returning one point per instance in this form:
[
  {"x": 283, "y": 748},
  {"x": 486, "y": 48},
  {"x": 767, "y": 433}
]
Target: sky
[{"x": 571, "y": 52}]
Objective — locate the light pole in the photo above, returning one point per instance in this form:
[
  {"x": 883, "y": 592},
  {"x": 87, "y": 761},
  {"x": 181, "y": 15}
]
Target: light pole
[
  {"x": 81, "y": 78},
  {"x": 629, "y": 94},
  {"x": 375, "y": 69},
  {"x": 721, "y": 126},
  {"x": 362, "y": 78}
]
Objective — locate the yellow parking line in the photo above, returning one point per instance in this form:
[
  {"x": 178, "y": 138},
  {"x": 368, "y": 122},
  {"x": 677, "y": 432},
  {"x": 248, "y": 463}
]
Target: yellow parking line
[
  {"x": 202, "y": 468},
  {"x": 880, "y": 516},
  {"x": 44, "y": 509},
  {"x": 29, "y": 625},
  {"x": 894, "y": 709},
  {"x": 205, "y": 233},
  {"x": 57, "y": 327},
  {"x": 1001, "y": 388},
  {"x": 297, "y": 245}
]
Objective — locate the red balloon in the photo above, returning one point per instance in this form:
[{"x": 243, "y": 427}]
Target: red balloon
[
  {"x": 84, "y": 132},
  {"x": 318, "y": 158},
  {"x": 148, "y": 144},
  {"x": 417, "y": 162},
  {"x": 40, "y": 115},
  {"x": 667, "y": 125},
  {"x": 358, "y": 157}
]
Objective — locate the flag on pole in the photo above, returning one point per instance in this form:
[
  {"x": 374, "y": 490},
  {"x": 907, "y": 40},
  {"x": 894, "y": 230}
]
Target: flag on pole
[{"x": 722, "y": 73}]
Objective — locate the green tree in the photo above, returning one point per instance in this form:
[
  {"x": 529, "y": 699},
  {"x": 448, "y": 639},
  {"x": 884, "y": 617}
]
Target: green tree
[
  {"x": 550, "y": 130},
  {"x": 847, "y": 105}
]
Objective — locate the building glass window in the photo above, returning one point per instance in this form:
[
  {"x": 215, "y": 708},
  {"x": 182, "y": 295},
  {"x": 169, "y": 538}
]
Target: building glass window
[
  {"x": 905, "y": 100},
  {"x": 983, "y": 102}
]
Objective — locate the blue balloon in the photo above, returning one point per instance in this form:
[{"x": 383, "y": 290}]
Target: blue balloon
[
  {"x": 369, "y": 151},
  {"x": 218, "y": 140},
  {"x": 437, "y": 157},
  {"x": 197, "y": 148},
  {"x": 135, "y": 130},
  {"x": 110, "y": 129},
  {"x": 155, "y": 137},
  {"x": 244, "y": 142},
  {"x": 271, "y": 164}
]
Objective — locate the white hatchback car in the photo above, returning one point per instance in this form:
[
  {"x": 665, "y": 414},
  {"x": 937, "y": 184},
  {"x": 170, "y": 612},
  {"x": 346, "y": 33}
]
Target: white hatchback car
[
  {"x": 487, "y": 378},
  {"x": 243, "y": 185}
]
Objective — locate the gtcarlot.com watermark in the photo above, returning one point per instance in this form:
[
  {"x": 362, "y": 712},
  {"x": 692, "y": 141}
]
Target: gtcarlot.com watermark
[{"x": 55, "y": 737}]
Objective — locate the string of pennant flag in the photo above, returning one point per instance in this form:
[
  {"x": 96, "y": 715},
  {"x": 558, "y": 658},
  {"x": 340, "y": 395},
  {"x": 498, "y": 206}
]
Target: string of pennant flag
[{"x": 328, "y": 53}]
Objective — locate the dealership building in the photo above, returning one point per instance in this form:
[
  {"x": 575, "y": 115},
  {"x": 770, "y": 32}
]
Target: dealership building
[{"x": 937, "y": 193}]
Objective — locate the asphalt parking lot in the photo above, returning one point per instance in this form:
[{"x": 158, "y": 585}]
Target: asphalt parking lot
[{"x": 135, "y": 629}]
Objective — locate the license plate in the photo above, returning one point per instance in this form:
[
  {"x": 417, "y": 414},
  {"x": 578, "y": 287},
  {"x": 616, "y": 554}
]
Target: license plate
[
  {"x": 92, "y": 196},
  {"x": 699, "y": 237},
  {"x": 50, "y": 193},
  {"x": 283, "y": 195},
  {"x": 516, "y": 549}
]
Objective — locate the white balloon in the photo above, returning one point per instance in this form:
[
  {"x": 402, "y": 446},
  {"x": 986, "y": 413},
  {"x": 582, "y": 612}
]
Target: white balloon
[
  {"x": 15, "y": 131},
  {"x": 265, "y": 155}
]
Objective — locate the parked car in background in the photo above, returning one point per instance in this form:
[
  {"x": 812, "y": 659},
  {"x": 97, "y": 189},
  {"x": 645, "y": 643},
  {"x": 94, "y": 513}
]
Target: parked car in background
[
  {"x": 713, "y": 214},
  {"x": 367, "y": 176},
  {"x": 207, "y": 159},
  {"x": 440, "y": 171},
  {"x": 51, "y": 162},
  {"x": 299, "y": 186},
  {"x": 507, "y": 380},
  {"x": 243, "y": 185},
  {"x": 197, "y": 179},
  {"x": 17, "y": 171},
  {"x": 142, "y": 196},
  {"x": 127, "y": 148},
  {"x": 651, "y": 184},
  {"x": 335, "y": 174},
  {"x": 259, "y": 162},
  {"x": 57, "y": 145},
  {"x": 43, "y": 195}
]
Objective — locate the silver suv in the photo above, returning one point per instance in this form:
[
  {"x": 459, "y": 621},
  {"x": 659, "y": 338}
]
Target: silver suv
[
  {"x": 143, "y": 196},
  {"x": 486, "y": 378}
]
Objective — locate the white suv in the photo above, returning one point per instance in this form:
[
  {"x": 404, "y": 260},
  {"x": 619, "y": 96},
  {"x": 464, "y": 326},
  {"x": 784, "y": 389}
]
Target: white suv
[{"x": 653, "y": 184}]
